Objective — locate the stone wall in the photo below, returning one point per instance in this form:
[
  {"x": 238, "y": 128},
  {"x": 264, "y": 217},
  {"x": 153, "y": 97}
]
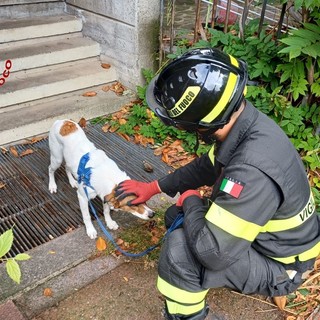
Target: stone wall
[{"x": 128, "y": 32}]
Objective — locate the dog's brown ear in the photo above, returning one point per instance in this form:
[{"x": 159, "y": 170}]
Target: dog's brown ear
[
  {"x": 68, "y": 127},
  {"x": 82, "y": 123},
  {"x": 125, "y": 200}
]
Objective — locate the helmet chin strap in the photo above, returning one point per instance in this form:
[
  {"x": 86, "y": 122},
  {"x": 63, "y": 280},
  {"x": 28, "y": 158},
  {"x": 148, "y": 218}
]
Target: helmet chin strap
[{"x": 207, "y": 138}]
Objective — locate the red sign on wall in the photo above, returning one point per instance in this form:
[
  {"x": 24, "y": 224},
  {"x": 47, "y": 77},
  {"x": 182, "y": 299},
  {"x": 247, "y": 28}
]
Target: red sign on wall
[{"x": 6, "y": 72}]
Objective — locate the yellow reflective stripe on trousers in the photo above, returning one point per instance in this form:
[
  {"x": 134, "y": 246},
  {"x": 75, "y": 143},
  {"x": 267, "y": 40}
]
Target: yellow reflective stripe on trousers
[
  {"x": 228, "y": 91},
  {"x": 176, "y": 308},
  {"x": 293, "y": 222},
  {"x": 232, "y": 224},
  {"x": 304, "y": 256},
  {"x": 211, "y": 155},
  {"x": 180, "y": 295}
]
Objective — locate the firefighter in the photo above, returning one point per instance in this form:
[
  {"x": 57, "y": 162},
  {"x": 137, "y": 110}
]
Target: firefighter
[{"x": 259, "y": 231}]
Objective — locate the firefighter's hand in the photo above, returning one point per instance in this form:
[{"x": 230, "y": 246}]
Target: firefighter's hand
[
  {"x": 185, "y": 195},
  {"x": 142, "y": 190}
]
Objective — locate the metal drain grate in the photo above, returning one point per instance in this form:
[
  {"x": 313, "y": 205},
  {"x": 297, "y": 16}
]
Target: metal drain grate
[{"x": 38, "y": 216}]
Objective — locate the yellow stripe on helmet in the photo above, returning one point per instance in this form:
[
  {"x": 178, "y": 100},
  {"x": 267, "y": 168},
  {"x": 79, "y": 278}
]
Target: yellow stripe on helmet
[
  {"x": 225, "y": 98},
  {"x": 234, "y": 61},
  {"x": 184, "y": 102}
]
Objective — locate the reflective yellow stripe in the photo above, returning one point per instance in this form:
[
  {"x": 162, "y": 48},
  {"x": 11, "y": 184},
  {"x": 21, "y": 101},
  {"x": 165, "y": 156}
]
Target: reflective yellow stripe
[
  {"x": 176, "y": 308},
  {"x": 234, "y": 61},
  {"x": 304, "y": 256},
  {"x": 232, "y": 224},
  {"x": 184, "y": 102},
  {"x": 211, "y": 154},
  {"x": 180, "y": 295},
  {"x": 228, "y": 91},
  {"x": 293, "y": 222}
]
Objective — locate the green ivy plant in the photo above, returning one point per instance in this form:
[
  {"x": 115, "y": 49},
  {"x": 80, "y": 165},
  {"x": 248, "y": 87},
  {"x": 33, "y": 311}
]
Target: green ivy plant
[
  {"x": 284, "y": 83},
  {"x": 12, "y": 266}
]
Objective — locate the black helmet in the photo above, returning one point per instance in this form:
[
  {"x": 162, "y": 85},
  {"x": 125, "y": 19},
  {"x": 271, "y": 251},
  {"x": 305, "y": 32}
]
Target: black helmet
[{"x": 199, "y": 90}]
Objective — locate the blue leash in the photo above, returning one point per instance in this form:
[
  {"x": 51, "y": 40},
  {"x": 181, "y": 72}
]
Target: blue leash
[{"x": 84, "y": 177}]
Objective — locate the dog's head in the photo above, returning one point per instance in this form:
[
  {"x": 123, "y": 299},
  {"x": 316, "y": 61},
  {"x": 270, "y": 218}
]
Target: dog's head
[{"x": 141, "y": 211}]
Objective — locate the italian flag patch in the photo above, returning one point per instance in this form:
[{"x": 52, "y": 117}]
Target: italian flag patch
[{"x": 231, "y": 187}]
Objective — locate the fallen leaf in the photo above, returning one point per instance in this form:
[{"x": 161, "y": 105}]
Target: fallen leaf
[
  {"x": 124, "y": 136},
  {"x": 14, "y": 152},
  {"x": 118, "y": 88},
  {"x": 126, "y": 279},
  {"x": 4, "y": 150},
  {"x": 119, "y": 241},
  {"x": 47, "y": 292},
  {"x": 36, "y": 139},
  {"x": 105, "y": 88},
  {"x": 105, "y": 127},
  {"x": 82, "y": 123},
  {"x": 2, "y": 185},
  {"x": 122, "y": 121},
  {"x": 280, "y": 302},
  {"x": 105, "y": 65},
  {"x": 89, "y": 94},
  {"x": 101, "y": 244},
  {"x": 155, "y": 240},
  {"x": 52, "y": 252},
  {"x": 26, "y": 152}
]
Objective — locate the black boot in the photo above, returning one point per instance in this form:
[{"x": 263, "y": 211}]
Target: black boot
[{"x": 201, "y": 315}]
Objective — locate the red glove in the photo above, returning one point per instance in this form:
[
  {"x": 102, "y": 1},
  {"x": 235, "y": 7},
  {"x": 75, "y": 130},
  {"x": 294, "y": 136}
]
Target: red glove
[
  {"x": 143, "y": 190},
  {"x": 185, "y": 195}
]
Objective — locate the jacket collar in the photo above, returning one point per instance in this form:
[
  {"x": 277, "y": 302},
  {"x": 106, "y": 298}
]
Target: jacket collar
[{"x": 237, "y": 134}]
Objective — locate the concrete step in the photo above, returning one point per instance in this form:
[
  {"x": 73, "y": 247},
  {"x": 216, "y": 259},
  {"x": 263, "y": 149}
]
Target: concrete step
[
  {"x": 16, "y": 2},
  {"x": 35, "y": 118},
  {"x": 27, "y": 9},
  {"x": 29, "y": 85},
  {"x": 34, "y": 54},
  {"x": 36, "y": 27}
]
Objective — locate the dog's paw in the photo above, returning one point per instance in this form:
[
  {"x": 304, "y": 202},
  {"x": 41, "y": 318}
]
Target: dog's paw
[
  {"x": 53, "y": 188},
  {"x": 92, "y": 233},
  {"x": 112, "y": 225}
]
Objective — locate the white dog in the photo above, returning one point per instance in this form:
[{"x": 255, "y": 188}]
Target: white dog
[{"x": 67, "y": 141}]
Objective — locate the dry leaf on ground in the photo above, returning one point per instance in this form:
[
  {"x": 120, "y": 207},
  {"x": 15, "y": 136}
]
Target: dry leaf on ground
[
  {"x": 101, "y": 244},
  {"x": 14, "y": 152},
  {"x": 117, "y": 88},
  {"x": 26, "y": 152},
  {"x": 280, "y": 302},
  {"x": 105, "y": 65},
  {"x": 106, "y": 88},
  {"x": 4, "y": 150},
  {"x": 89, "y": 94},
  {"x": 2, "y": 185},
  {"x": 47, "y": 292}
]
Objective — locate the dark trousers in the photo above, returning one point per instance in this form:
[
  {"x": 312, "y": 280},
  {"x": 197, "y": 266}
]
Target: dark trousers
[{"x": 252, "y": 273}]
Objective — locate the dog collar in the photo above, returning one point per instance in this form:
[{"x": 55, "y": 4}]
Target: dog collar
[{"x": 84, "y": 173}]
